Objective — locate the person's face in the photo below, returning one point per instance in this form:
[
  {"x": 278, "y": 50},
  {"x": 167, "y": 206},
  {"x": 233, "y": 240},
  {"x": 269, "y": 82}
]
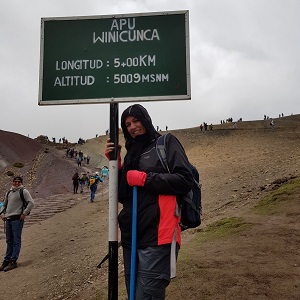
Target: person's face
[
  {"x": 17, "y": 183},
  {"x": 134, "y": 126}
]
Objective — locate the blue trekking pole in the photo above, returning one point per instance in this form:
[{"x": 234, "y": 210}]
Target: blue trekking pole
[{"x": 133, "y": 244}]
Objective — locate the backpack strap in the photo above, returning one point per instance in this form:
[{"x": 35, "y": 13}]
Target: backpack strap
[
  {"x": 7, "y": 194},
  {"x": 23, "y": 198},
  {"x": 161, "y": 151}
]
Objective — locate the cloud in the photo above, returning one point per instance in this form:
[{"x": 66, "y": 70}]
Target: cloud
[{"x": 244, "y": 63}]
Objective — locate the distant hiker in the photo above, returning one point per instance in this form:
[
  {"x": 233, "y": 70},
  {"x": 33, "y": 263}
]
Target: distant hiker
[
  {"x": 88, "y": 159},
  {"x": 166, "y": 128},
  {"x": 82, "y": 179},
  {"x": 201, "y": 127},
  {"x": 17, "y": 205},
  {"x": 79, "y": 160},
  {"x": 272, "y": 123},
  {"x": 75, "y": 179},
  {"x": 104, "y": 173},
  {"x": 71, "y": 152},
  {"x": 94, "y": 180},
  {"x": 211, "y": 127}
]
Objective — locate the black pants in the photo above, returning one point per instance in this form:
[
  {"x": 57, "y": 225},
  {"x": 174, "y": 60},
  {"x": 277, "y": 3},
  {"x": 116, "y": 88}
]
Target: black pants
[
  {"x": 75, "y": 188},
  {"x": 152, "y": 272}
]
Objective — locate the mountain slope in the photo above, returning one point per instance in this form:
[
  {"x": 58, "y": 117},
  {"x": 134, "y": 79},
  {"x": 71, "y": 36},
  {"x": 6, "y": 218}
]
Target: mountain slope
[{"x": 257, "y": 258}]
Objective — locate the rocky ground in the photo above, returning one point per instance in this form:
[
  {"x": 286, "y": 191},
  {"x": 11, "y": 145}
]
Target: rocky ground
[{"x": 65, "y": 236}]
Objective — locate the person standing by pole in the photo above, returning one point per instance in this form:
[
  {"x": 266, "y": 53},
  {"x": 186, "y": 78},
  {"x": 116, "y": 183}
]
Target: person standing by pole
[
  {"x": 157, "y": 217},
  {"x": 17, "y": 205}
]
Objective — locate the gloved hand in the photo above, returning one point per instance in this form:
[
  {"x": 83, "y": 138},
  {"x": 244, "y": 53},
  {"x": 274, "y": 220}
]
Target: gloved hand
[{"x": 136, "y": 178}]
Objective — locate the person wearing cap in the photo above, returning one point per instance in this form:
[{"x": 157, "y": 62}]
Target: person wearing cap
[
  {"x": 157, "y": 216},
  {"x": 17, "y": 205}
]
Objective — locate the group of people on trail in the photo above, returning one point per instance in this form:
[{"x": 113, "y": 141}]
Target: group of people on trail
[
  {"x": 78, "y": 155},
  {"x": 16, "y": 207},
  {"x": 91, "y": 181},
  {"x": 205, "y": 126}
]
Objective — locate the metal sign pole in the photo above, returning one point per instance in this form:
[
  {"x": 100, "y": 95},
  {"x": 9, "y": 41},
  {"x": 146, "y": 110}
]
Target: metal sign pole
[{"x": 113, "y": 205}]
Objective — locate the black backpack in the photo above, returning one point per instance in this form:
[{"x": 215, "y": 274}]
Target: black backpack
[{"x": 190, "y": 203}]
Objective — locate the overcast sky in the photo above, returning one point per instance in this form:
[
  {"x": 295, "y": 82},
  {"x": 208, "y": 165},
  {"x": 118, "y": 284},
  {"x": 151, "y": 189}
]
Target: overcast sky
[{"x": 245, "y": 63}]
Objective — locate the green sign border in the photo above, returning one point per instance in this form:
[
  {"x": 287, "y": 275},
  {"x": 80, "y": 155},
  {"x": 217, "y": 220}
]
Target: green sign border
[{"x": 163, "y": 95}]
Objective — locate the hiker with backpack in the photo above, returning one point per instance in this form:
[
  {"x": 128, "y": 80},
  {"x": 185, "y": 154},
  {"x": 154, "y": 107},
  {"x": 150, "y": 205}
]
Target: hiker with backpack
[
  {"x": 158, "y": 220},
  {"x": 17, "y": 205},
  {"x": 82, "y": 179},
  {"x": 94, "y": 180}
]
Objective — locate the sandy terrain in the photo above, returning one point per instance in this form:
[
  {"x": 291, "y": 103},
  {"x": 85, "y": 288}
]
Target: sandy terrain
[{"x": 65, "y": 236}]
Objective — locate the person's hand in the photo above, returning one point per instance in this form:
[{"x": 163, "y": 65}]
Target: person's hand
[
  {"x": 110, "y": 146},
  {"x": 3, "y": 217},
  {"x": 22, "y": 218},
  {"x": 136, "y": 178}
]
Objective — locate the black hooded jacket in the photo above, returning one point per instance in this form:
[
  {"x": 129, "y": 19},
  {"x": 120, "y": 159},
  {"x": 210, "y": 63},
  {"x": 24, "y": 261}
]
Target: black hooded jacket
[{"x": 156, "y": 215}]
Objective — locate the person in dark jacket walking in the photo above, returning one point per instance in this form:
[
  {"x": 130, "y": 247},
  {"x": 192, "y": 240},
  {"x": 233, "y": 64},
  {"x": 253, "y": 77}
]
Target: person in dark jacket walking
[
  {"x": 75, "y": 179},
  {"x": 13, "y": 212},
  {"x": 158, "y": 229}
]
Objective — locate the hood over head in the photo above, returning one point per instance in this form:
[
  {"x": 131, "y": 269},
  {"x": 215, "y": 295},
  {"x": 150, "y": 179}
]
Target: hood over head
[{"x": 139, "y": 112}]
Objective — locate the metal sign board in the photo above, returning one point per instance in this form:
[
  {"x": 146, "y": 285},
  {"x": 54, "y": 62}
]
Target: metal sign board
[{"x": 115, "y": 58}]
